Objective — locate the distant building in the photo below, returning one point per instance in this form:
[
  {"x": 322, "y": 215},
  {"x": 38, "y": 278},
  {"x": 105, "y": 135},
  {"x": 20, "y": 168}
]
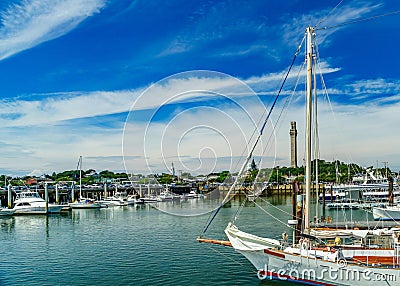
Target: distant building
[{"x": 31, "y": 181}]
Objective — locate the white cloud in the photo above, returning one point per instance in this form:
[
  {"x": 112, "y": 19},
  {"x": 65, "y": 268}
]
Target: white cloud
[
  {"x": 31, "y": 23},
  {"x": 64, "y": 106},
  {"x": 57, "y": 148},
  {"x": 50, "y": 140},
  {"x": 184, "y": 87}
]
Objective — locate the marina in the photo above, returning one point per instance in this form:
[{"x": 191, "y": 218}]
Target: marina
[
  {"x": 199, "y": 143},
  {"x": 140, "y": 244}
]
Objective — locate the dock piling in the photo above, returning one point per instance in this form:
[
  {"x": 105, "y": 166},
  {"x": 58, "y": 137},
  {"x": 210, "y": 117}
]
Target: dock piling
[
  {"x": 46, "y": 197},
  {"x": 57, "y": 195},
  {"x": 9, "y": 196}
]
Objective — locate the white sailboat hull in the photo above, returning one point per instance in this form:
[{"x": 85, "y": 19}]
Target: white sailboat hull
[
  {"x": 316, "y": 266},
  {"x": 389, "y": 213},
  {"x": 278, "y": 265}
]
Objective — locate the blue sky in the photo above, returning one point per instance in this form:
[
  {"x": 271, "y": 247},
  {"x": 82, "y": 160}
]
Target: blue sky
[{"x": 75, "y": 73}]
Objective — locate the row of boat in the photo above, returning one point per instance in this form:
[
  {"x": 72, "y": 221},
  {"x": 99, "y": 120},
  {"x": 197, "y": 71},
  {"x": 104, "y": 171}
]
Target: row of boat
[{"x": 30, "y": 202}]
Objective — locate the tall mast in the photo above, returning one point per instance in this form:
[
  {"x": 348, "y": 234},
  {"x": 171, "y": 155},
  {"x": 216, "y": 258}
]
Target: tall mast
[
  {"x": 316, "y": 153},
  {"x": 308, "y": 129}
]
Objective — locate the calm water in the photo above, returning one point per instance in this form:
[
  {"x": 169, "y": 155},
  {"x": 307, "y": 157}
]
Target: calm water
[{"x": 135, "y": 245}]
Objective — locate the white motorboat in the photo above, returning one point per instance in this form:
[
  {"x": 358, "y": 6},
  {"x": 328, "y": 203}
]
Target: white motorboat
[
  {"x": 165, "y": 196},
  {"x": 132, "y": 199},
  {"x": 150, "y": 199},
  {"x": 114, "y": 201},
  {"x": 191, "y": 195},
  {"x": 386, "y": 213},
  {"x": 30, "y": 202},
  {"x": 343, "y": 205},
  {"x": 6, "y": 212}
]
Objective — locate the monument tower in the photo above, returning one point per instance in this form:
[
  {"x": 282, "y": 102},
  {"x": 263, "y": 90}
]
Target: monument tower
[{"x": 293, "y": 145}]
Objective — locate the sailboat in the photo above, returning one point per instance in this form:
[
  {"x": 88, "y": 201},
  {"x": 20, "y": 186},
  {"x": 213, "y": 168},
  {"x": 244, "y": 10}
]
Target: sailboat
[
  {"x": 83, "y": 203},
  {"x": 317, "y": 256}
]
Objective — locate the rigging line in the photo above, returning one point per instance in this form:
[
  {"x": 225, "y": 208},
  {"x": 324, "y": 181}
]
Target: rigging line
[
  {"x": 330, "y": 12},
  {"x": 239, "y": 210},
  {"x": 283, "y": 108},
  {"x": 359, "y": 20},
  {"x": 316, "y": 141},
  {"x": 288, "y": 101},
  {"x": 257, "y": 140},
  {"x": 268, "y": 213},
  {"x": 276, "y": 207},
  {"x": 283, "y": 83},
  {"x": 318, "y": 60},
  {"x": 223, "y": 254},
  {"x": 283, "y": 80}
]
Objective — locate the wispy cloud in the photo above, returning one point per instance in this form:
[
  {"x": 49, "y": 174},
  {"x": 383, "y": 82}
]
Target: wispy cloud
[
  {"x": 195, "y": 86},
  {"x": 344, "y": 13},
  {"x": 31, "y": 23},
  {"x": 375, "y": 86},
  {"x": 57, "y": 107}
]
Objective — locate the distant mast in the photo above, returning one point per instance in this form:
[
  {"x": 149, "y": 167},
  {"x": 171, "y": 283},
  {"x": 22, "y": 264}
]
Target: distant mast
[{"x": 80, "y": 176}]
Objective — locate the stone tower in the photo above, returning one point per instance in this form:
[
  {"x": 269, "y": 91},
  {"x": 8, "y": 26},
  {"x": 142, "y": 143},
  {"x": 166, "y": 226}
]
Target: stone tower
[{"x": 293, "y": 144}]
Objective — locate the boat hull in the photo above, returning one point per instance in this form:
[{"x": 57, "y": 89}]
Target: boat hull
[
  {"x": 278, "y": 265},
  {"x": 6, "y": 212},
  {"x": 84, "y": 206},
  {"x": 386, "y": 213},
  {"x": 38, "y": 210}
]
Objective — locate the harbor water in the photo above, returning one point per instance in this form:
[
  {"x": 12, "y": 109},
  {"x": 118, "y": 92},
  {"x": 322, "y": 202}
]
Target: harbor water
[{"x": 136, "y": 245}]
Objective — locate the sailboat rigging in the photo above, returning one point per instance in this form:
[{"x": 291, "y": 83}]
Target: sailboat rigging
[
  {"x": 356, "y": 256},
  {"x": 83, "y": 203}
]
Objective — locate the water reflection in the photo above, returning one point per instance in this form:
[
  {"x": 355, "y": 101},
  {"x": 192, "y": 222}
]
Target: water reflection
[{"x": 7, "y": 224}]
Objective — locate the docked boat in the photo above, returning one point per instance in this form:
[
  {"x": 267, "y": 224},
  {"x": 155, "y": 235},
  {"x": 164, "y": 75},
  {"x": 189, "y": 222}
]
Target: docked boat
[
  {"x": 343, "y": 205},
  {"x": 83, "y": 203},
  {"x": 165, "y": 196},
  {"x": 149, "y": 199},
  {"x": 114, "y": 201},
  {"x": 30, "y": 202},
  {"x": 6, "y": 212},
  {"x": 191, "y": 195},
  {"x": 315, "y": 256},
  {"x": 386, "y": 213}
]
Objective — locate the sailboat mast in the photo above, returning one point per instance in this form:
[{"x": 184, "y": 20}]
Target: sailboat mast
[
  {"x": 308, "y": 128},
  {"x": 80, "y": 176}
]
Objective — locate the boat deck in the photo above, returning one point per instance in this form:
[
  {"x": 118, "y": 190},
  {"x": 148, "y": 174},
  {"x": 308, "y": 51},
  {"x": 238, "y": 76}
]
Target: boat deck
[{"x": 356, "y": 224}]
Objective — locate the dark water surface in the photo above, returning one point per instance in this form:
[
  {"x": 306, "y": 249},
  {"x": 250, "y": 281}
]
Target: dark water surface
[{"x": 134, "y": 245}]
